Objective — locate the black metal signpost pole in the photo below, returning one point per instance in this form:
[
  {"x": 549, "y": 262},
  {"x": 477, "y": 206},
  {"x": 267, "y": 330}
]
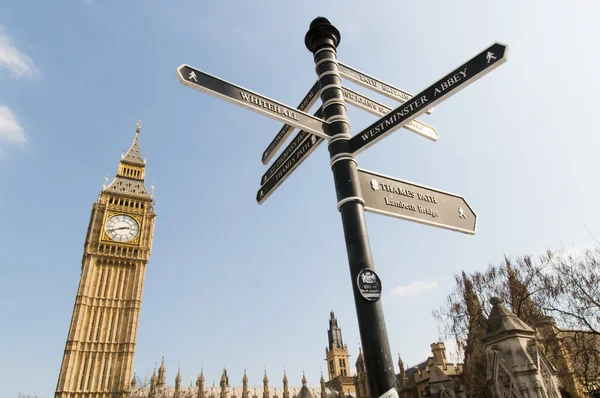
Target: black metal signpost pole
[{"x": 322, "y": 40}]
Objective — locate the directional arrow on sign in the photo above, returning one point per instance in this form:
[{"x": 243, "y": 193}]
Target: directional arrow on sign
[
  {"x": 219, "y": 88},
  {"x": 307, "y": 102},
  {"x": 376, "y": 85},
  {"x": 378, "y": 109},
  {"x": 483, "y": 63},
  {"x": 296, "y": 158},
  {"x": 402, "y": 199}
]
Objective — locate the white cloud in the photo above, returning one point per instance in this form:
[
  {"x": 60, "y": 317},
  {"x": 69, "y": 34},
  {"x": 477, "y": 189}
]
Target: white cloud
[
  {"x": 414, "y": 288},
  {"x": 19, "y": 64},
  {"x": 10, "y": 129}
]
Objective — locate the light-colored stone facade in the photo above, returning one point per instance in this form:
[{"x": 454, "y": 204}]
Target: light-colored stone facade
[{"x": 100, "y": 346}]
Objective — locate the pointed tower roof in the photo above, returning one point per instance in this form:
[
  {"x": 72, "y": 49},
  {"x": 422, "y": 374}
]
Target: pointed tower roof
[
  {"x": 130, "y": 175},
  {"x": 285, "y": 379},
  {"x": 178, "y": 377},
  {"x": 245, "y": 379},
  {"x": 503, "y": 321},
  {"x": 133, "y": 155},
  {"x": 360, "y": 358},
  {"x": 304, "y": 391},
  {"x": 265, "y": 379}
]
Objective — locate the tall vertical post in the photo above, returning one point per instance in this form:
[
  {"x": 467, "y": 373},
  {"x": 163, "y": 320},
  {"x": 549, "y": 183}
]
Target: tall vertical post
[{"x": 322, "y": 40}]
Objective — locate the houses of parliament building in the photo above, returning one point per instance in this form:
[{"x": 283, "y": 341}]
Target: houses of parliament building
[{"x": 100, "y": 346}]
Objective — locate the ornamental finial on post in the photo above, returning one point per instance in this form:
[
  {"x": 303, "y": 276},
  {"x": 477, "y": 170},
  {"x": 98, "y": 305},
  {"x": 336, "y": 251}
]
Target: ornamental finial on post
[
  {"x": 138, "y": 126},
  {"x": 321, "y": 30}
]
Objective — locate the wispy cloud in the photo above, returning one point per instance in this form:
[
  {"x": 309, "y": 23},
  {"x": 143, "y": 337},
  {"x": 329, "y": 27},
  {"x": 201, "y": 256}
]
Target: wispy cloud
[
  {"x": 414, "y": 288},
  {"x": 19, "y": 64},
  {"x": 10, "y": 129}
]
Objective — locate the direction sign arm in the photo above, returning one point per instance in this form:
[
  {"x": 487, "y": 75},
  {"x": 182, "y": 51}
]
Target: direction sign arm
[
  {"x": 461, "y": 77},
  {"x": 206, "y": 83},
  {"x": 307, "y": 102},
  {"x": 361, "y": 78}
]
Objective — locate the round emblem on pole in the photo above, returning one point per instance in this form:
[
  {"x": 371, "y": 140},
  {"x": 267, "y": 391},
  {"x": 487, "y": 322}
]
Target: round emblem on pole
[{"x": 369, "y": 284}]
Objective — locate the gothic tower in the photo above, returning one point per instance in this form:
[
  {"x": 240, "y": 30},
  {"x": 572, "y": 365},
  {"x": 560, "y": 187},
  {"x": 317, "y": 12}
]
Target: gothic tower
[
  {"x": 338, "y": 359},
  {"x": 98, "y": 357}
]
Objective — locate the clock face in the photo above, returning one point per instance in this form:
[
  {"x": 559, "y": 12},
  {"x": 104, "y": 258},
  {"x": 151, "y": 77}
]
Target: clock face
[{"x": 122, "y": 228}]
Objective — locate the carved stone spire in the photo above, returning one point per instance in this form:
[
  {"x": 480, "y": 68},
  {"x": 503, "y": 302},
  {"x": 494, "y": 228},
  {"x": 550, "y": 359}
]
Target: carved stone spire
[
  {"x": 223, "y": 383},
  {"x": 286, "y": 391},
  {"x": 323, "y": 390},
  {"x": 177, "y": 392},
  {"x": 130, "y": 175},
  {"x": 266, "y": 385},
  {"x": 162, "y": 374},
  {"x": 133, "y": 155},
  {"x": 200, "y": 385},
  {"x": 245, "y": 382},
  {"x": 153, "y": 381}
]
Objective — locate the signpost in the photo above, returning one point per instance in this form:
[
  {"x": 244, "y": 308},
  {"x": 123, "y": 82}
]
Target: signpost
[
  {"x": 408, "y": 201},
  {"x": 307, "y": 102},
  {"x": 219, "y": 88},
  {"x": 378, "y": 109},
  {"x": 483, "y": 63},
  {"x": 374, "y": 84},
  {"x": 358, "y": 190}
]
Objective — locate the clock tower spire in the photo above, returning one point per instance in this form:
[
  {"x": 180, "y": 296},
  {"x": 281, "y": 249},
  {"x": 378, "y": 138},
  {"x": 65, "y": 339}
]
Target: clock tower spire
[{"x": 98, "y": 356}]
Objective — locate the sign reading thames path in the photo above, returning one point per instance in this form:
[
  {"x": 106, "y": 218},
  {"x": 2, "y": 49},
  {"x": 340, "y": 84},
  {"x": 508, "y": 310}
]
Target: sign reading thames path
[
  {"x": 358, "y": 190},
  {"x": 402, "y": 199}
]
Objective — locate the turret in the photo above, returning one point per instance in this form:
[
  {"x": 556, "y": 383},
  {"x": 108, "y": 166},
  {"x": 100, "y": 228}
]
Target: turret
[
  {"x": 286, "y": 391},
  {"x": 200, "y": 384},
  {"x": 223, "y": 383},
  {"x": 177, "y": 392},
  {"x": 162, "y": 374},
  {"x": 266, "y": 385},
  {"x": 153, "y": 382},
  {"x": 323, "y": 389},
  {"x": 439, "y": 354},
  {"x": 245, "y": 385},
  {"x": 402, "y": 369}
]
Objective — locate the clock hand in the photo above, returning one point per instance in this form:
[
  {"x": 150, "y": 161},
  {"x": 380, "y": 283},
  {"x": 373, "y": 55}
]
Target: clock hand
[{"x": 115, "y": 229}]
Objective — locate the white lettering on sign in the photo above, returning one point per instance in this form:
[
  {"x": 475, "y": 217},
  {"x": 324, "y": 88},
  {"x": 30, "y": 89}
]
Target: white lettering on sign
[
  {"x": 267, "y": 105},
  {"x": 451, "y": 81},
  {"x": 392, "y": 119}
]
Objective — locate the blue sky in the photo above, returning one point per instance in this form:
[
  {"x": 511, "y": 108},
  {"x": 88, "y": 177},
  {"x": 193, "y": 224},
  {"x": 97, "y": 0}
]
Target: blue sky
[{"x": 233, "y": 282}]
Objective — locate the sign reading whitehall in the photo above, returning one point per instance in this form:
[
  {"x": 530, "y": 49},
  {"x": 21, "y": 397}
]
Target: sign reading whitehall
[
  {"x": 483, "y": 63},
  {"x": 374, "y": 84},
  {"x": 378, "y": 109},
  {"x": 408, "y": 201},
  {"x": 307, "y": 102},
  {"x": 209, "y": 84}
]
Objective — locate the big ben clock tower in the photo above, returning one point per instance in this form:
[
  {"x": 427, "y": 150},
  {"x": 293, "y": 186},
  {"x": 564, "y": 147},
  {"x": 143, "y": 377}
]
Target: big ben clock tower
[{"x": 98, "y": 356}]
